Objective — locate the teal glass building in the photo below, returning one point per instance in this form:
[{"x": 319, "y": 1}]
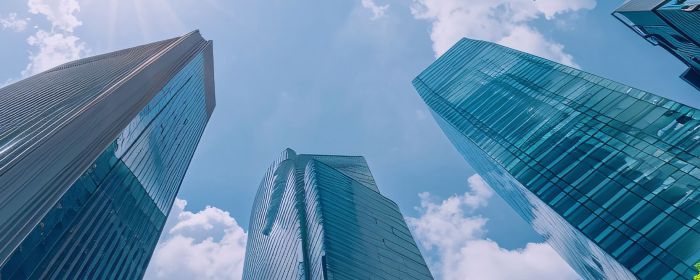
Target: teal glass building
[
  {"x": 92, "y": 154},
  {"x": 323, "y": 217},
  {"x": 607, "y": 173},
  {"x": 670, "y": 24}
]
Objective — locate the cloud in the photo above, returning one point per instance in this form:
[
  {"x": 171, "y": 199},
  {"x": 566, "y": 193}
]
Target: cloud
[
  {"x": 61, "y": 13},
  {"x": 13, "y": 23},
  {"x": 53, "y": 49},
  {"x": 484, "y": 259},
  {"x": 507, "y": 22},
  {"x": 450, "y": 231},
  {"x": 208, "y": 244},
  {"x": 378, "y": 11},
  {"x": 7, "y": 82},
  {"x": 59, "y": 44},
  {"x": 479, "y": 194},
  {"x": 552, "y": 8}
]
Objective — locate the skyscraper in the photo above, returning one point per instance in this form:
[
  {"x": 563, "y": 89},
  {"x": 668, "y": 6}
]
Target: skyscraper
[
  {"x": 322, "y": 217},
  {"x": 92, "y": 154},
  {"x": 671, "y": 24},
  {"x": 609, "y": 174}
]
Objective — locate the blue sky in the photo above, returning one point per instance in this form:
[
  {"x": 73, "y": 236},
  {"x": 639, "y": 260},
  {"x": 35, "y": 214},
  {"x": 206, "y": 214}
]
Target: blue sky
[{"x": 333, "y": 77}]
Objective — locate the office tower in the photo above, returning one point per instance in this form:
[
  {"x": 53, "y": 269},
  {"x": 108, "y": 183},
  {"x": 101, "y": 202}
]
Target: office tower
[
  {"x": 609, "y": 174},
  {"x": 322, "y": 217},
  {"x": 92, "y": 154},
  {"x": 671, "y": 24}
]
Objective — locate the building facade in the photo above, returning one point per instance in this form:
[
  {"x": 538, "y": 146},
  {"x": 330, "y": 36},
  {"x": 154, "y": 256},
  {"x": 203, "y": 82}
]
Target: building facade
[
  {"x": 323, "y": 217},
  {"x": 92, "y": 154},
  {"x": 608, "y": 174},
  {"x": 670, "y": 24}
]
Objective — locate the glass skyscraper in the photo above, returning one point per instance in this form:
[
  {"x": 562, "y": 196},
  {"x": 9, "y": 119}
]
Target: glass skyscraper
[
  {"x": 322, "y": 217},
  {"x": 672, "y": 24},
  {"x": 92, "y": 154},
  {"x": 607, "y": 173}
]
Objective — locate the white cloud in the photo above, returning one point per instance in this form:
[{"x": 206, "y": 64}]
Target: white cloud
[
  {"x": 13, "y": 23},
  {"x": 479, "y": 193},
  {"x": 59, "y": 44},
  {"x": 53, "y": 49},
  {"x": 7, "y": 82},
  {"x": 485, "y": 260},
  {"x": 552, "y": 8},
  {"x": 61, "y": 13},
  {"x": 450, "y": 231},
  {"x": 208, "y": 244},
  {"x": 378, "y": 11},
  {"x": 506, "y": 22}
]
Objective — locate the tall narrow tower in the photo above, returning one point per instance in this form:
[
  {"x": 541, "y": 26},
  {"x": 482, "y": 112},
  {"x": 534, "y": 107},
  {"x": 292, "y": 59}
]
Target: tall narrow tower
[
  {"x": 92, "y": 154},
  {"x": 322, "y": 217},
  {"x": 609, "y": 174}
]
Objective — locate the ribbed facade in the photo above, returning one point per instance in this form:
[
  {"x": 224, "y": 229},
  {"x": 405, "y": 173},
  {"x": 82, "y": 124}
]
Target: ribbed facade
[
  {"x": 671, "y": 24},
  {"x": 608, "y": 174},
  {"x": 322, "y": 217},
  {"x": 92, "y": 154}
]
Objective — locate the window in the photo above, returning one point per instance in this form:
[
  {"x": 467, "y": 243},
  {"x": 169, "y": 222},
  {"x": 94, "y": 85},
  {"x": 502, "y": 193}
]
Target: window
[{"x": 680, "y": 38}]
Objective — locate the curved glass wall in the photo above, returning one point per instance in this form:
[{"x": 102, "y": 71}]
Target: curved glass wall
[
  {"x": 322, "y": 217},
  {"x": 107, "y": 223},
  {"x": 609, "y": 174}
]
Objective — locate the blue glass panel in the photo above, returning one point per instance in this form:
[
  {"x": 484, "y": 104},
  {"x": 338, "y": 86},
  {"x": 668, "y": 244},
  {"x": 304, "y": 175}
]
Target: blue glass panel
[
  {"x": 107, "y": 224},
  {"x": 322, "y": 217},
  {"x": 608, "y": 173}
]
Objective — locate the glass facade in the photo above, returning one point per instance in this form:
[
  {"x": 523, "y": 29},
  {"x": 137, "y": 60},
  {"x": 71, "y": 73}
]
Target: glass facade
[
  {"x": 322, "y": 217},
  {"x": 107, "y": 222},
  {"x": 608, "y": 174},
  {"x": 671, "y": 24}
]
